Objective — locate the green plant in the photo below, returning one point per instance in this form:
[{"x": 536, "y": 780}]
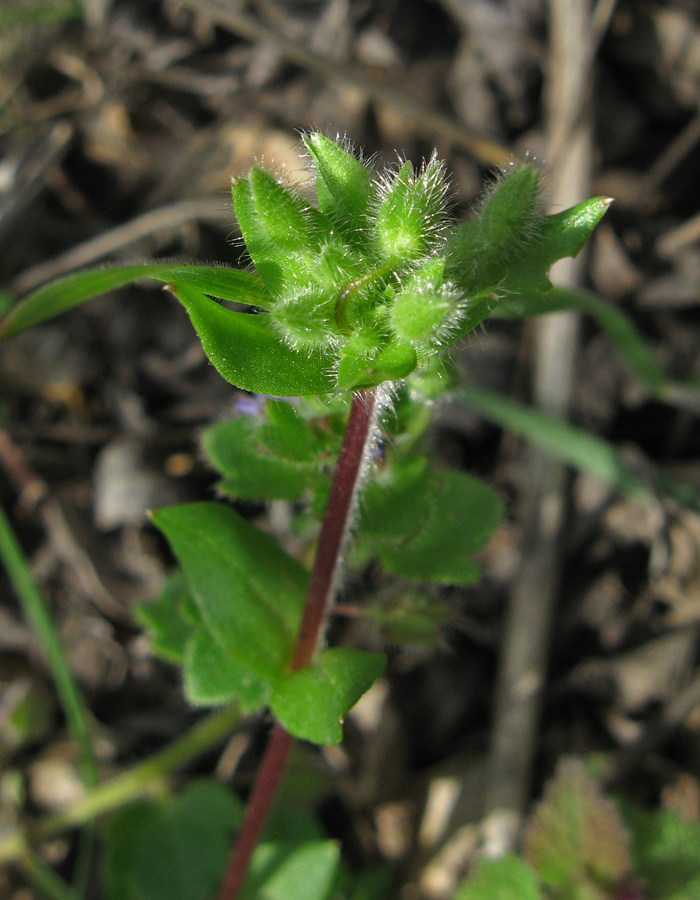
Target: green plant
[
  {"x": 348, "y": 309},
  {"x": 582, "y": 845}
]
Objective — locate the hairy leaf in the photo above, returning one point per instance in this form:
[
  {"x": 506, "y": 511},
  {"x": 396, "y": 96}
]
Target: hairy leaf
[{"x": 249, "y": 353}]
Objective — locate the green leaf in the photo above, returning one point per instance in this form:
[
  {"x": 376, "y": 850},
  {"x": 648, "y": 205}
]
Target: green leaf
[
  {"x": 249, "y": 353},
  {"x": 213, "y": 677},
  {"x": 249, "y": 591},
  {"x": 169, "y": 619},
  {"x": 312, "y": 702},
  {"x": 275, "y": 222},
  {"x": 409, "y": 220},
  {"x": 489, "y": 274},
  {"x": 666, "y": 852},
  {"x": 249, "y": 472},
  {"x": 576, "y": 835},
  {"x": 284, "y": 871},
  {"x": 174, "y": 848},
  {"x": 463, "y": 515},
  {"x": 397, "y": 501},
  {"x": 61, "y": 295},
  {"x": 508, "y": 878},
  {"x": 510, "y": 211},
  {"x": 343, "y": 185}
]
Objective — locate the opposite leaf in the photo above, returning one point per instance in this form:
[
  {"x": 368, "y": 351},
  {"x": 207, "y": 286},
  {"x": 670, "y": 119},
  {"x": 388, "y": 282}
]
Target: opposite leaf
[
  {"x": 247, "y": 351},
  {"x": 312, "y": 702},
  {"x": 249, "y": 592}
]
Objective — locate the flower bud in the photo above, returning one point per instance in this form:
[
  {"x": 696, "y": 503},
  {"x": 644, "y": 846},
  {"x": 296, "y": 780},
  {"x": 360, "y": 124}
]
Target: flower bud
[
  {"x": 425, "y": 305},
  {"x": 410, "y": 220},
  {"x": 510, "y": 213},
  {"x": 342, "y": 184}
]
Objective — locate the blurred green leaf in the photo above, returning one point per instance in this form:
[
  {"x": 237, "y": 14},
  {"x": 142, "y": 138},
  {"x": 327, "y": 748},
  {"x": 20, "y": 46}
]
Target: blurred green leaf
[
  {"x": 249, "y": 591},
  {"x": 213, "y": 677},
  {"x": 579, "y": 448},
  {"x": 174, "y": 848},
  {"x": 507, "y": 878},
  {"x": 397, "y": 501},
  {"x": 292, "y": 871},
  {"x": 666, "y": 852},
  {"x": 575, "y": 835},
  {"x": 464, "y": 513},
  {"x": 22, "y": 13},
  {"x": 168, "y": 620},
  {"x": 232, "y": 448},
  {"x": 312, "y": 702}
]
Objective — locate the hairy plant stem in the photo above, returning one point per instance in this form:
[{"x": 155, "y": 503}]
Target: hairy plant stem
[{"x": 319, "y": 600}]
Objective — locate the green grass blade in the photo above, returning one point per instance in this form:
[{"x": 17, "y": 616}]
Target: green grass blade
[
  {"x": 35, "y": 610},
  {"x": 580, "y": 449},
  {"x": 58, "y": 296},
  {"x": 622, "y": 330},
  {"x": 69, "y": 695}
]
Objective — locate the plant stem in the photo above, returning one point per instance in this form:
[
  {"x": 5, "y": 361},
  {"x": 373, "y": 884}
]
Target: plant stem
[
  {"x": 336, "y": 522},
  {"x": 45, "y": 881},
  {"x": 124, "y": 788},
  {"x": 319, "y": 600}
]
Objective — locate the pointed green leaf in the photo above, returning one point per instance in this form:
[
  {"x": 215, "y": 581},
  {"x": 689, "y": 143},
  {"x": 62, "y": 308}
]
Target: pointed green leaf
[
  {"x": 507, "y": 878},
  {"x": 213, "y": 677},
  {"x": 249, "y": 353},
  {"x": 409, "y": 220},
  {"x": 492, "y": 274},
  {"x": 249, "y": 591},
  {"x": 464, "y": 513},
  {"x": 61, "y": 295},
  {"x": 312, "y": 702},
  {"x": 174, "y": 848}
]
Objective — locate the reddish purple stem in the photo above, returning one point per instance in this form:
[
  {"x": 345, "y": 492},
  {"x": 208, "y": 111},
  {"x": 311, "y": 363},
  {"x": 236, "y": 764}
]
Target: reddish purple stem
[{"x": 317, "y": 607}]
